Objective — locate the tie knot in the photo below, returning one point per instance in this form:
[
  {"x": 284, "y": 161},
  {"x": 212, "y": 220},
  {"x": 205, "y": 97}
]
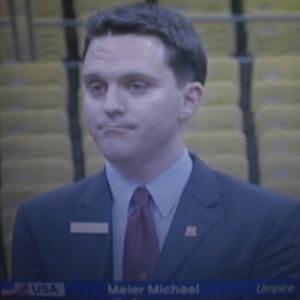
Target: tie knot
[{"x": 140, "y": 197}]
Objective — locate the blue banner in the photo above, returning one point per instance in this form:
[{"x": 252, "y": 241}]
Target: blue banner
[{"x": 153, "y": 289}]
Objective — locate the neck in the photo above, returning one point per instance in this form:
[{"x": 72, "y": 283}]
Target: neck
[{"x": 143, "y": 172}]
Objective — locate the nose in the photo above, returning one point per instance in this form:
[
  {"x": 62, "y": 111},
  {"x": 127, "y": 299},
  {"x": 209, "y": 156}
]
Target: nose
[{"x": 114, "y": 104}]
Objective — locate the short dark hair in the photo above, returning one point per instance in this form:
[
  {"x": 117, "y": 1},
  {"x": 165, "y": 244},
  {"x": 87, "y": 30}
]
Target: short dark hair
[{"x": 186, "y": 56}]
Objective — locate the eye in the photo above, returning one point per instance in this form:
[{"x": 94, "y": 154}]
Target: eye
[
  {"x": 96, "y": 88},
  {"x": 137, "y": 86}
]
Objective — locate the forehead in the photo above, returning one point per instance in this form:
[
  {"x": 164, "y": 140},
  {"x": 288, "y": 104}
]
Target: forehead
[{"x": 127, "y": 48}]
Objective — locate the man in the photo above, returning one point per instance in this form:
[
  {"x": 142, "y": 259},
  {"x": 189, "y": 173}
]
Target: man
[{"x": 143, "y": 76}]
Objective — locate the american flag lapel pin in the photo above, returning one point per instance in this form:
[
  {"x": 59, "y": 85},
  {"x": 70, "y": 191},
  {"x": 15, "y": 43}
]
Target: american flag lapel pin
[{"x": 191, "y": 231}]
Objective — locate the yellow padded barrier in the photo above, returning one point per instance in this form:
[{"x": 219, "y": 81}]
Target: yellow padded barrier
[
  {"x": 33, "y": 122},
  {"x": 22, "y": 98},
  {"x": 271, "y": 6},
  {"x": 275, "y": 92},
  {"x": 33, "y": 74},
  {"x": 279, "y": 116},
  {"x": 23, "y": 147},
  {"x": 280, "y": 167},
  {"x": 216, "y": 117},
  {"x": 36, "y": 171},
  {"x": 285, "y": 67},
  {"x": 279, "y": 141},
  {"x": 216, "y": 142}
]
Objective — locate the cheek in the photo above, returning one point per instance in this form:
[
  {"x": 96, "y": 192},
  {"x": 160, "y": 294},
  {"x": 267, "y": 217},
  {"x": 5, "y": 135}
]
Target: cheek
[
  {"x": 161, "y": 118},
  {"x": 169, "y": 109},
  {"x": 89, "y": 113},
  {"x": 85, "y": 112}
]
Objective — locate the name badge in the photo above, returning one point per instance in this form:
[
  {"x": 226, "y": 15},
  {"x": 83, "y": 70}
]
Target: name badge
[{"x": 89, "y": 227}]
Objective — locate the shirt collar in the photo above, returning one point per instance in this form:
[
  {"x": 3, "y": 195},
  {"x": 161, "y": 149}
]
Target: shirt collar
[
  {"x": 165, "y": 189},
  {"x": 122, "y": 188}
]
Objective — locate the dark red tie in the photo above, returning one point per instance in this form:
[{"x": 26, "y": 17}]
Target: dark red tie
[{"x": 141, "y": 246}]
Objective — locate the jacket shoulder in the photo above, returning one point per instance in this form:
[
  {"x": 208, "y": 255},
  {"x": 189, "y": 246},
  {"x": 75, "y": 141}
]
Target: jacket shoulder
[
  {"x": 65, "y": 195},
  {"x": 237, "y": 190}
]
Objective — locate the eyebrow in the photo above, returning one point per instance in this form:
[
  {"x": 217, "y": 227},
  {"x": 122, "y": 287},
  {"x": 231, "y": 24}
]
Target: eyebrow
[
  {"x": 125, "y": 76},
  {"x": 87, "y": 76}
]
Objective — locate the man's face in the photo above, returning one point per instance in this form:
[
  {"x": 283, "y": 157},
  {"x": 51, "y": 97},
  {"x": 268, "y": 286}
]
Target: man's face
[{"x": 132, "y": 103}]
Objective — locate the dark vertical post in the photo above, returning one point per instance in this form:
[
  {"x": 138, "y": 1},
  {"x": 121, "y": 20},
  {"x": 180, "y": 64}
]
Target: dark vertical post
[
  {"x": 31, "y": 38},
  {"x": 12, "y": 23},
  {"x": 70, "y": 30},
  {"x": 12, "y": 16},
  {"x": 240, "y": 28},
  {"x": 245, "y": 63},
  {"x": 3, "y": 266},
  {"x": 72, "y": 66}
]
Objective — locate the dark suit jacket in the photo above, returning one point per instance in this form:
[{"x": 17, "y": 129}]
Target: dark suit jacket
[{"x": 244, "y": 232}]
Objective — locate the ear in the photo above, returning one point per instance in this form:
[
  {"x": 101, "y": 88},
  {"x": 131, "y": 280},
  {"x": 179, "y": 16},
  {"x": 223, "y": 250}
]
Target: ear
[{"x": 191, "y": 98}]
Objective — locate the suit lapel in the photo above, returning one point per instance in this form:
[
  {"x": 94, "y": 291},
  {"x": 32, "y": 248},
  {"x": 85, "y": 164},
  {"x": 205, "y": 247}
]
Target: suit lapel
[
  {"x": 95, "y": 206},
  {"x": 197, "y": 212}
]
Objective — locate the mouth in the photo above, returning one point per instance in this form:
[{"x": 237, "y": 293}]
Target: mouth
[{"x": 115, "y": 128}]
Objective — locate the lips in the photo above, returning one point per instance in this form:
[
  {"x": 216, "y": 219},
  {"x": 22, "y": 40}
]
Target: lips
[{"x": 115, "y": 127}]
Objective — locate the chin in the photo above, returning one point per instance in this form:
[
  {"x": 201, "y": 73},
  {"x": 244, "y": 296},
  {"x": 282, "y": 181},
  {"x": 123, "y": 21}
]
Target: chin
[{"x": 114, "y": 155}]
